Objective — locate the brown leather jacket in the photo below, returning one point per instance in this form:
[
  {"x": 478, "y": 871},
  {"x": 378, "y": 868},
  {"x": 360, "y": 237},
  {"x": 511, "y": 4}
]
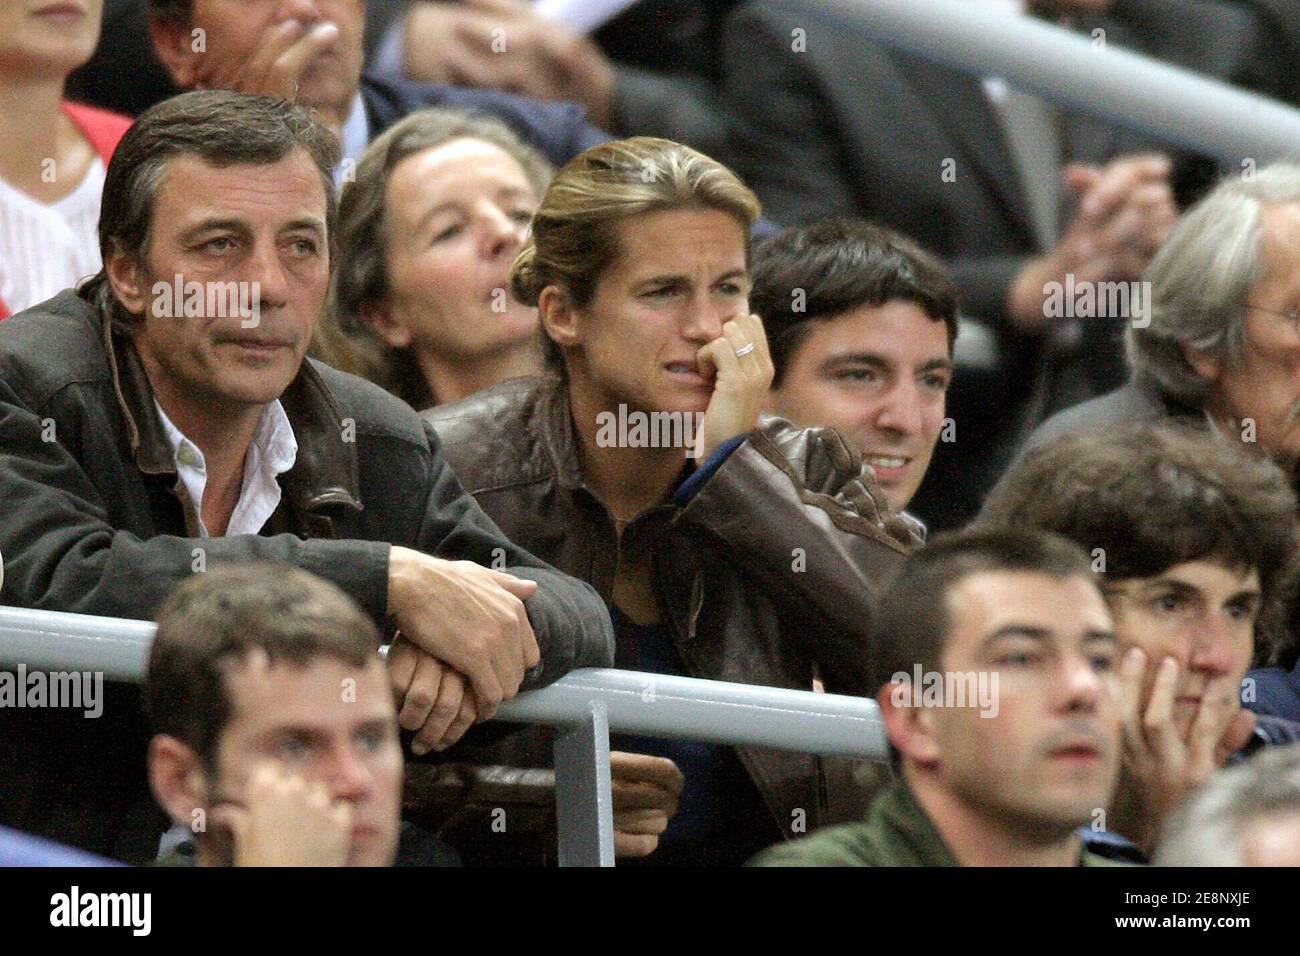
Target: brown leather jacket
[{"x": 768, "y": 574}]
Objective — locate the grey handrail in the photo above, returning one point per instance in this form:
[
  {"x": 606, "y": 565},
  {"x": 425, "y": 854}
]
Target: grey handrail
[
  {"x": 56, "y": 641},
  {"x": 653, "y": 705},
  {"x": 742, "y": 715},
  {"x": 587, "y": 705},
  {"x": 1091, "y": 75}
]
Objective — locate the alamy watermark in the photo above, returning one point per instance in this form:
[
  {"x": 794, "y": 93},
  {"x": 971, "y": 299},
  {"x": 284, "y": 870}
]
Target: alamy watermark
[
  {"x": 79, "y": 690},
  {"x": 924, "y": 688},
  {"x": 1090, "y": 300},
  {"x": 637, "y": 429},
  {"x": 74, "y": 908},
  {"x": 179, "y": 299}
]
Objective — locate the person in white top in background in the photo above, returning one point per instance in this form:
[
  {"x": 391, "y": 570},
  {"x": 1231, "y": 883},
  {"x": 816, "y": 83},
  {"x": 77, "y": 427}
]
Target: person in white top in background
[{"x": 53, "y": 161}]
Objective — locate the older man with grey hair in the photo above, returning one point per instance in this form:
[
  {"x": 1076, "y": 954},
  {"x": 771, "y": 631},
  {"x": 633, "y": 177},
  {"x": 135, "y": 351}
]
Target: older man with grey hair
[
  {"x": 1219, "y": 336},
  {"x": 1246, "y": 815},
  {"x": 1218, "y": 340}
]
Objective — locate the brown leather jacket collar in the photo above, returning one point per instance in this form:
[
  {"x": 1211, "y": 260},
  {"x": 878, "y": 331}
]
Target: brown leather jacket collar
[
  {"x": 557, "y": 439},
  {"x": 558, "y": 442},
  {"x": 325, "y": 474}
]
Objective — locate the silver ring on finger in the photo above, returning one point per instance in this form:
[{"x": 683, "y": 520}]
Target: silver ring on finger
[{"x": 744, "y": 350}]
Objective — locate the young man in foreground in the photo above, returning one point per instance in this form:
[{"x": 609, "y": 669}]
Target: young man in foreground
[
  {"x": 277, "y": 741},
  {"x": 1020, "y": 745}
]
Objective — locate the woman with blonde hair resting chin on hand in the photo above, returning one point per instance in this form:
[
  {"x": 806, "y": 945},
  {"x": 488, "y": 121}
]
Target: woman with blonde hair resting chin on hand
[{"x": 727, "y": 547}]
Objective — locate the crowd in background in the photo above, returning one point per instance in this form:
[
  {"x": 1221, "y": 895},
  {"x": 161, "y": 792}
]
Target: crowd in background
[{"x": 397, "y": 358}]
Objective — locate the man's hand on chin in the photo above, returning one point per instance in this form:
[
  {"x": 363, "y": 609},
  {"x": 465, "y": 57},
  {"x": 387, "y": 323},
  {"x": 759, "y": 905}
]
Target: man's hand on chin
[{"x": 277, "y": 65}]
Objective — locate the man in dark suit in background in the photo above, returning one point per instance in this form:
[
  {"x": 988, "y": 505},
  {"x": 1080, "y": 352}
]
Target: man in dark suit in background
[
  {"x": 977, "y": 172},
  {"x": 1221, "y": 342},
  {"x": 288, "y": 49},
  {"x": 653, "y": 70}
]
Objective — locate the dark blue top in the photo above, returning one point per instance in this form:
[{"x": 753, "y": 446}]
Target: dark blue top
[
  {"x": 1277, "y": 692},
  {"x": 721, "y": 819}
]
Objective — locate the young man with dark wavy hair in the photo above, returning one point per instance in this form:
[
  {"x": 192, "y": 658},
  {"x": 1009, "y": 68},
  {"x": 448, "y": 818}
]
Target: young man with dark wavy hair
[{"x": 862, "y": 323}]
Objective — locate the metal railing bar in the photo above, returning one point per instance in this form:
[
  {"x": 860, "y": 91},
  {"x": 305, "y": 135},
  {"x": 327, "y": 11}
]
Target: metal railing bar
[
  {"x": 1101, "y": 79},
  {"x": 654, "y": 705}
]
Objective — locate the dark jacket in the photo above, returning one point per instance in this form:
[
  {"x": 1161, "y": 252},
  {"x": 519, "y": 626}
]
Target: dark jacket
[
  {"x": 896, "y": 832},
  {"x": 1270, "y": 731},
  {"x": 1136, "y": 401},
  {"x": 851, "y": 126},
  {"x": 766, "y": 569},
  {"x": 559, "y": 130},
  {"x": 95, "y": 521},
  {"x": 1277, "y": 692}
]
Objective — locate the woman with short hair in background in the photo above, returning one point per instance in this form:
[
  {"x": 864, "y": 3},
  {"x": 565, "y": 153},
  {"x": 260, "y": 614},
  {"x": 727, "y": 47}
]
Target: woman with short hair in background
[{"x": 438, "y": 209}]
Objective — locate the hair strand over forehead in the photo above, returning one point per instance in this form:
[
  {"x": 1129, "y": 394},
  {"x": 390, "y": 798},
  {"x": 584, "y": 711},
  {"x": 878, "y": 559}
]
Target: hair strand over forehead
[
  {"x": 219, "y": 127},
  {"x": 575, "y": 231}
]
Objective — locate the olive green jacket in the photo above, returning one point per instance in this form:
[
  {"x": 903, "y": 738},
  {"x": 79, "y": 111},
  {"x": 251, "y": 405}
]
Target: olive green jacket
[{"x": 896, "y": 832}]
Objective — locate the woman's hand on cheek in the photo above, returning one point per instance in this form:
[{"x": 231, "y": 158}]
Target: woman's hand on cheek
[{"x": 743, "y": 372}]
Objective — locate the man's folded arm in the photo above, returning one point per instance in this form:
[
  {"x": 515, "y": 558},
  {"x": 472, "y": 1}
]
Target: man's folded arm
[{"x": 62, "y": 554}]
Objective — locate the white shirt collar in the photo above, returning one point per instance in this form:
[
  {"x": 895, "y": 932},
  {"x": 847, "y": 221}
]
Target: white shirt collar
[
  {"x": 273, "y": 451},
  {"x": 355, "y": 137}
]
